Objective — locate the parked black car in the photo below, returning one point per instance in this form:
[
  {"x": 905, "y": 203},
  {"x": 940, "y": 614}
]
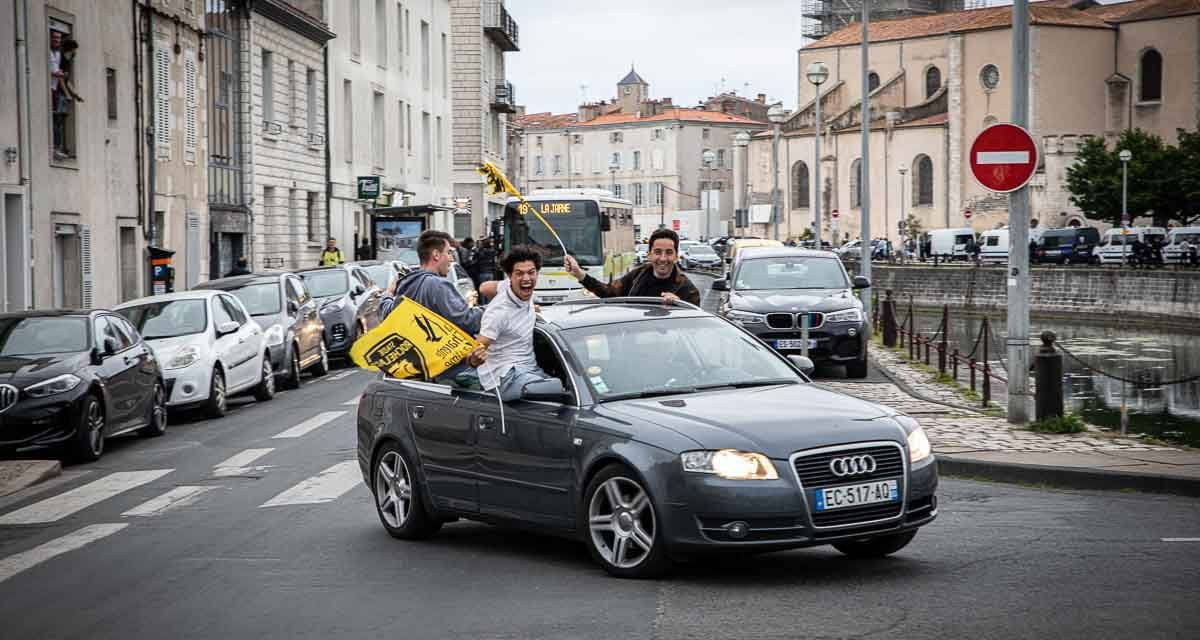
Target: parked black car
[
  {"x": 1072, "y": 245},
  {"x": 348, "y": 303},
  {"x": 772, "y": 289},
  {"x": 75, "y": 378},
  {"x": 678, "y": 434},
  {"x": 282, "y": 306}
]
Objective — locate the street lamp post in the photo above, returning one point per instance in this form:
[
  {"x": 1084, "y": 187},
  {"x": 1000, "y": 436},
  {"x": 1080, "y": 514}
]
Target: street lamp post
[
  {"x": 817, "y": 74},
  {"x": 903, "y": 170},
  {"x": 776, "y": 115},
  {"x": 709, "y": 159},
  {"x": 1126, "y": 155},
  {"x": 741, "y": 140}
]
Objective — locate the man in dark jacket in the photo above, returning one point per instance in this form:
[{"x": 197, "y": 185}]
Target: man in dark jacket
[{"x": 658, "y": 277}]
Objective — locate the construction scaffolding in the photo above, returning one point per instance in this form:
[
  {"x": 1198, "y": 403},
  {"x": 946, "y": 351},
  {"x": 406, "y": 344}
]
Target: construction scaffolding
[{"x": 823, "y": 17}]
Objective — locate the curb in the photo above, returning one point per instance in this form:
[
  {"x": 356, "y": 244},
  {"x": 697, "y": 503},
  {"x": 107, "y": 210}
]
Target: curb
[
  {"x": 1067, "y": 477},
  {"x": 38, "y": 471},
  {"x": 904, "y": 386}
]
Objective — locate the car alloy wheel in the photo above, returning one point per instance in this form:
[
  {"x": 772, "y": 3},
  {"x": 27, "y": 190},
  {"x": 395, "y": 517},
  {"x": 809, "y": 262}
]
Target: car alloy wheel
[
  {"x": 322, "y": 367},
  {"x": 88, "y": 444},
  {"x": 266, "y": 384},
  {"x": 158, "y": 414},
  {"x": 218, "y": 403},
  {"x": 398, "y": 498},
  {"x": 622, "y": 527}
]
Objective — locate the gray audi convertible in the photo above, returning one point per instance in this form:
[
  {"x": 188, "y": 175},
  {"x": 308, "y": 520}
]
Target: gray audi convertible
[{"x": 679, "y": 434}]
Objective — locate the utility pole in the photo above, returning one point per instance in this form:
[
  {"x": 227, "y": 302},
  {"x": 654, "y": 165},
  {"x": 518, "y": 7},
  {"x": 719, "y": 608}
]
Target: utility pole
[
  {"x": 1018, "y": 235},
  {"x": 864, "y": 181}
]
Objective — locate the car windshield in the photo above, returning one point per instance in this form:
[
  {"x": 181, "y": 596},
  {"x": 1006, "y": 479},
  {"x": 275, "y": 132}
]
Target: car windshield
[
  {"x": 42, "y": 335},
  {"x": 791, "y": 272},
  {"x": 1190, "y": 237},
  {"x": 381, "y": 274},
  {"x": 322, "y": 284},
  {"x": 169, "y": 318},
  {"x": 259, "y": 299},
  {"x": 688, "y": 354},
  {"x": 701, "y": 250}
]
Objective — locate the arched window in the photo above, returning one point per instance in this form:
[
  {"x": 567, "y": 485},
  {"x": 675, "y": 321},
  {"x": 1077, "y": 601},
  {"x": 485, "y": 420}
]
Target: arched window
[
  {"x": 856, "y": 184},
  {"x": 872, "y": 81},
  {"x": 933, "y": 81},
  {"x": 800, "y": 195},
  {"x": 922, "y": 182},
  {"x": 1150, "y": 76}
]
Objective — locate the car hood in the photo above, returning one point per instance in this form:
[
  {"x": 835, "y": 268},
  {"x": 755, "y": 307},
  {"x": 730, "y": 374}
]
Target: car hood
[
  {"x": 769, "y": 300},
  {"x": 321, "y": 302},
  {"x": 776, "y": 421},
  {"x": 22, "y": 370}
]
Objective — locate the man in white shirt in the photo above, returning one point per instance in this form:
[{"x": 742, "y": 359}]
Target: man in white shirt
[{"x": 506, "y": 332}]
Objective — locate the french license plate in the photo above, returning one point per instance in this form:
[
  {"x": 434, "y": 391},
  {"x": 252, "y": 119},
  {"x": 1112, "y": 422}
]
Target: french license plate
[
  {"x": 795, "y": 344},
  {"x": 856, "y": 495}
]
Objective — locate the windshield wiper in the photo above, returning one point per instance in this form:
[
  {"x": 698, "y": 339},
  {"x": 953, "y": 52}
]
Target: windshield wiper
[
  {"x": 746, "y": 384},
  {"x": 650, "y": 393}
]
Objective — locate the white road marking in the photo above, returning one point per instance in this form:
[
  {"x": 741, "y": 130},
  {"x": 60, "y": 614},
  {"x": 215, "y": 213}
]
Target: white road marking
[
  {"x": 352, "y": 403},
  {"x": 339, "y": 376},
  {"x": 1181, "y": 539},
  {"x": 19, "y": 562},
  {"x": 177, "y": 497},
  {"x": 1002, "y": 157},
  {"x": 244, "y": 458},
  {"x": 312, "y": 423},
  {"x": 327, "y": 486},
  {"x": 63, "y": 505}
]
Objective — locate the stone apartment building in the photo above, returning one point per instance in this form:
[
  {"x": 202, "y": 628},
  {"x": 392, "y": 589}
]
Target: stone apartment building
[
  {"x": 647, "y": 151},
  {"x": 938, "y": 80},
  {"x": 390, "y": 113},
  {"x": 482, "y": 32}
]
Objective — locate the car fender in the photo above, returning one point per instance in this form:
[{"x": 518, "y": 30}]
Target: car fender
[{"x": 633, "y": 455}]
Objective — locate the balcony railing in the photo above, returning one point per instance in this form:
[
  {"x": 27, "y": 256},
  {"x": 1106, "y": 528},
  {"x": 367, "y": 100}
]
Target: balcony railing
[
  {"x": 500, "y": 26},
  {"x": 504, "y": 101}
]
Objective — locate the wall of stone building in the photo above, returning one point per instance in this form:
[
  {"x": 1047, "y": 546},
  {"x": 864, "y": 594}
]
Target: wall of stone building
[
  {"x": 1119, "y": 296},
  {"x": 1178, "y": 40},
  {"x": 467, "y": 42},
  {"x": 1072, "y": 63},
  {"x": 287, "y": 166},
  {"x": 886, "y": 59}
]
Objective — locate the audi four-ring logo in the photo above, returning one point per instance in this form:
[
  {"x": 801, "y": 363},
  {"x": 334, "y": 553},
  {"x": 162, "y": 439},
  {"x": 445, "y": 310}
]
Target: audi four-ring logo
[{"x": 852, "y": 465}]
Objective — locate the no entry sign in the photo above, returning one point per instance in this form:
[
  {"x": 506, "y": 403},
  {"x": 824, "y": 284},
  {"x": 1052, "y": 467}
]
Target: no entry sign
[{"x": 1003, "y": 157}]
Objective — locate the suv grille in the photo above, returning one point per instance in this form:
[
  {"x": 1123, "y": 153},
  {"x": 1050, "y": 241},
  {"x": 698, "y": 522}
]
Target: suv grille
[
  {"x": 779, "y": 320},
  {"x": 794, "y": 320}
]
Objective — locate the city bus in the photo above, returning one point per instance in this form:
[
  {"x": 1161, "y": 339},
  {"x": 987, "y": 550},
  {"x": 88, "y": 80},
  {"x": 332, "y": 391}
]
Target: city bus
[{"x": 595, "y": 227}]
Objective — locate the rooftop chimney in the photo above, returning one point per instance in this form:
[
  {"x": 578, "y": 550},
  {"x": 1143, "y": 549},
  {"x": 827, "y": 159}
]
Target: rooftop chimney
[{"x": 762, "y": 98}]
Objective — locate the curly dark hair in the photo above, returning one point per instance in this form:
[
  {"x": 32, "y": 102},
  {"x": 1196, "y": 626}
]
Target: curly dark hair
[{"x": 520, "y": 253}]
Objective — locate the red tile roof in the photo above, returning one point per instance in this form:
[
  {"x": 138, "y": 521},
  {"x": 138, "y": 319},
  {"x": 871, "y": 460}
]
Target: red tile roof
[
  {"x": 548, "y": 121},
  {"x": 1156, "y": 9}
]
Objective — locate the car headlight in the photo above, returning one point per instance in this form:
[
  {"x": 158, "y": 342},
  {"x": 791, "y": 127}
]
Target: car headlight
[
  {"x": 334, "y": 305},
  {"x": 274, "y": 335},
  {"x": 745, "y": 317},
  {"x": 853, "y": 314},
  {"x": 730, "y": 464},
  {"x": 185, "y": 357},
  {"x": 918, "y": 446},
  {"x": 57, "y": 384}
]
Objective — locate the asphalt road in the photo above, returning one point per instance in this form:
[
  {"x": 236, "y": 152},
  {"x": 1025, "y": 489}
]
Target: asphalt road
[{"x": 285, "y": 544}]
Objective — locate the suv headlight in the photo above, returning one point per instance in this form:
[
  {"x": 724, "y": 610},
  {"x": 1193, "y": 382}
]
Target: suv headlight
[
  {"x": 185, "y": 357},
  {"x": 274, "y": 335},
  {"x": 55, "y": 385},
  {"x": 745, "y": 317},
  {"x": 730, "y": 464},
  {"x": 853, "y": 314}
]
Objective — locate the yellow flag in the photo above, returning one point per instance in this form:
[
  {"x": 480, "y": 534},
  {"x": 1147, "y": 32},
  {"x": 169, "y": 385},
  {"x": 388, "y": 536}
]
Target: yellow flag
[
  {"x": 498, "y": 183},
  {"x": 412, "y": 342}
]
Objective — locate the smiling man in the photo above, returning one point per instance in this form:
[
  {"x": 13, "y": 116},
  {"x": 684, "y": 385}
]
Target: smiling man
[
  {"x": 658, "y": 277},
  {"x": 506, "y": 333}
]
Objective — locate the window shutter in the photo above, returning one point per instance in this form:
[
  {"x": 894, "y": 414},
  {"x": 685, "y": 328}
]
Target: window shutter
[
  {"x": 189, "y": 101},
  {"x": 85, "y": 265},
  {"x": 162, "y": 103}
]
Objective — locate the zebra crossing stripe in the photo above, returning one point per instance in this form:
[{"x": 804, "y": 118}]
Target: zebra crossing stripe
[
  {"x": 19, "y": 562},
  {"x": 177, "y": 497},
  {"x": 311, "y": 424},
  {"x": 62, "y": 505},
  {"x": 327, "y": 486}
]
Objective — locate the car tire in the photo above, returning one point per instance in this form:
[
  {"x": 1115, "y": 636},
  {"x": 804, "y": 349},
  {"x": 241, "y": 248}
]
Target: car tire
[
  {"x": 399, "y": 495},
  {"x": 217, "y": 404},
  {"x": 88, "y": 443},
  {"x": 322, "y": 366},
  {"x": 614, "y": 516},
  {"x": 877, "y": 547},
  {"x": 157, "y": 424},
  {"x": 292, "y": 381},
  {"x": 265, "y": 390},
  {"x": 856, "y": 370}
]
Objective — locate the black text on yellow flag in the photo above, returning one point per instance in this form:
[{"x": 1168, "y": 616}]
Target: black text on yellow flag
[{"x": 412, "y": 342}]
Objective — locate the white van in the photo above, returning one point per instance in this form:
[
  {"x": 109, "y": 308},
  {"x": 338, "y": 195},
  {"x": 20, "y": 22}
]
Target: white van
[
  {"x": 993, "y": 246},
  {"x": 951, "y": 243},
  {"x": 1171, "y": 253},
  {"x": 1113, "y": 249}
]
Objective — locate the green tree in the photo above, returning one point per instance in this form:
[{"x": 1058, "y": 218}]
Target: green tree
[
  {"x": 1187, "y": 163},
  {"x": 913, "y": 227},
  {"x": 1095, "y": 178}
]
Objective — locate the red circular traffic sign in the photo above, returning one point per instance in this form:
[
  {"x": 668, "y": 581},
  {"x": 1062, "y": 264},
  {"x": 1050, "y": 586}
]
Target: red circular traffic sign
[
  {"x": 967, "y": 214},
  {"x": 834, "y": 213},
  {"x": 1003, "y": 157}
]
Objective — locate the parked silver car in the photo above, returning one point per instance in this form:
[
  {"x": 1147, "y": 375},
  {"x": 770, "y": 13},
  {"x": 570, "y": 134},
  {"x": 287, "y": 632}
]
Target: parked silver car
[{"x": 348, "y": 303}]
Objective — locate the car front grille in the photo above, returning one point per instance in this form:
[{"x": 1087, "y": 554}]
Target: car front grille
[
  {"x": 779, "y": 320},
  {"x": 8, "y": 396},
  {"x": 814, "y": 472},
  {"x": 794, "y": 320},
  {"x": 338, "y": 332},
  {"x": 853, "y": 515}
]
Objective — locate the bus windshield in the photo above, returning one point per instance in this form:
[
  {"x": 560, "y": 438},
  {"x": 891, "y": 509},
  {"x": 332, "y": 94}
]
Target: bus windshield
[{"x": 576, "y": 221}]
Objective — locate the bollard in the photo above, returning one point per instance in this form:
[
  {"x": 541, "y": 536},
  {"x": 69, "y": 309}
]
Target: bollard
[
  {"x": 987, "y": 370},
  {"x": 928, "y": 342},
  {"x": 1048, "y": 374},
  {"x": 889, "y": 320},
  {"x": 954, "y": 363},
  {"x": 942, "y": 348},
  {"x": 971, "y": 364}
]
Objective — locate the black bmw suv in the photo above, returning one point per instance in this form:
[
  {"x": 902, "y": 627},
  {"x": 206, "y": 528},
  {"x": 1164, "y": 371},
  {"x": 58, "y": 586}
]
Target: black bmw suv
[{"x": 771, "y": 290}]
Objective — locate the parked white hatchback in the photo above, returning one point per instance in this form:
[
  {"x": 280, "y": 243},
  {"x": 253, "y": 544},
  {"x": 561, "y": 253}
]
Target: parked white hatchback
[{"x": 208, "y": 346}]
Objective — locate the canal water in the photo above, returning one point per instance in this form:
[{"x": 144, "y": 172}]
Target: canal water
[{"x": 1167, "y": 411}]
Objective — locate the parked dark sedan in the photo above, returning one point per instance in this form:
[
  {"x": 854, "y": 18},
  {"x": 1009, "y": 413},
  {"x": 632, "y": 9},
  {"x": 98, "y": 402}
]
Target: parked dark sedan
[
  {"x": 679, "y": 434},
  {"x": 76, "y": 378},
  {"x": 771, "y": 291}
]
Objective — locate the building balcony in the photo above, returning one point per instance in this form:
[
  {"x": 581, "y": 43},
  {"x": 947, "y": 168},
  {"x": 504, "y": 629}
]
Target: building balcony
[
  {"x": 499, "y": 26},
  {"x": 503, "y": 100}
]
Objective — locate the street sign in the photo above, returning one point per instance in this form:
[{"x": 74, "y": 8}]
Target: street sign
[
  {"x": 967, "y": 214},
  {"x": 834, "y": 213},
  {"x": 1003, "y": 157},
  {"x": 368, "y": 187}
]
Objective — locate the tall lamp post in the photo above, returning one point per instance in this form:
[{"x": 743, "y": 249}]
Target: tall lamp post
[
  {"x": 776, "y": 115},
  {"x": 1126, "y": 155},
  {"x": 741, "y": 181},
  {"x": 903, "y": 170},
  {"x": 817, "y": 73},
  {"x": 709, "y": 158}
]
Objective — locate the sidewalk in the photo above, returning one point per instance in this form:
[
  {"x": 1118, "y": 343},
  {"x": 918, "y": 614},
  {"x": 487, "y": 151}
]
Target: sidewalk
[
  {"x": 971, "y": 443},
  {"x": 18, "y": 474}
]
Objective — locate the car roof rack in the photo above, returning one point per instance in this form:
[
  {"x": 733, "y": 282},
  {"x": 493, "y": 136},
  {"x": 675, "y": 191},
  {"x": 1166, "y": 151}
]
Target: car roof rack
[{"x": 647, "y": 300}]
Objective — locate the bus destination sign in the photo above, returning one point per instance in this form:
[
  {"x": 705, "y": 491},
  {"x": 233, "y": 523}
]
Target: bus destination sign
[{"x": 545, "y": 208}]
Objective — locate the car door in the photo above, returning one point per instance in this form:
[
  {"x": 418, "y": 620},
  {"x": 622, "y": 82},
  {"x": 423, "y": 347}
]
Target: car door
[
  {"x": 119, "y": 373},
  {"x": 368, "y": 301},
  {"x": 147, "y": 370},
  {"x": 225, "y": 346},
  {"x": 526, "y": 456},
  {"x": 444, "y": 433},
  {"x": 245, "y": 365},
  {"x": 306, "y": 327}
]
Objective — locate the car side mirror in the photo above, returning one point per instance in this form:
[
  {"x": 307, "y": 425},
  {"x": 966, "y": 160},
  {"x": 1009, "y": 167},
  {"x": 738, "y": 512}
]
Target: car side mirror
[
  {"x": 111, "y": 346},
  {"x": 862, "y": 282},
  {"x": 802, "y": 363},
  {"x": 226, "y": 328},
  {"x": 720, "y": 285},
  {"x": 97, "y": 357},
  {"x": 292, "y": 307},
  {"x": 544, "y": 390}
]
